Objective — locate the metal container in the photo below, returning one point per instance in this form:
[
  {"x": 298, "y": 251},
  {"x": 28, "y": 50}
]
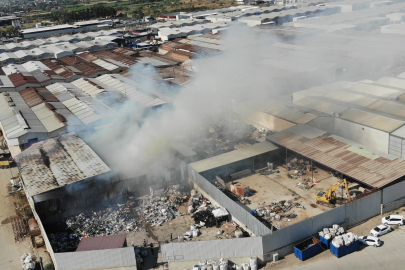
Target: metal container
[
  {"x": 344, "y": 250},
  {"x": 308, "y": 248}
]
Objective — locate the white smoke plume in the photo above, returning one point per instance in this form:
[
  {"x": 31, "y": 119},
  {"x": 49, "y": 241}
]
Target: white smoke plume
[{"x": 136, "y": 144}]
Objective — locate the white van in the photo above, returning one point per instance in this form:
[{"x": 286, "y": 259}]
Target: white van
[{"x": 393, "y": 220}]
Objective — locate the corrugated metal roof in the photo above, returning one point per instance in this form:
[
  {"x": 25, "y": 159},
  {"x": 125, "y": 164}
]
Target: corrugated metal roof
[
  {"x": 47, "y": 117},
  {"x": 81, "y": 110},
  {"x": 96, "y": 259},
  {"x": 102, "y": 242},
  {"x": 73, "y": 162},
  {"x": 339, "y": 154},
  {"x": 233, "y": 156},
  {"x": 372, "y": 120}
]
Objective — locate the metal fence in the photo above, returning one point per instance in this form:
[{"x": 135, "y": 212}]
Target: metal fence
[
  {"x": 203, "y": 250},
  {"x": 235, "y": 209}
]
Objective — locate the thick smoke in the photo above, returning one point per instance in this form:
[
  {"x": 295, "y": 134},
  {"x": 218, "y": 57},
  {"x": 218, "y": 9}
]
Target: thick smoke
[{"x": 141, "y": 141}]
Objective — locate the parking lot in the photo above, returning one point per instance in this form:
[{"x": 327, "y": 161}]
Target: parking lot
[{"x": 391, "y": 255}]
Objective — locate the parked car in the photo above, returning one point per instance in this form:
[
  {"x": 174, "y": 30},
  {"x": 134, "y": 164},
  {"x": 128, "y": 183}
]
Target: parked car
[
  {"x": 380, "y": 230},
  {"x": 370, "y": 241},
  {"x": 393, "y": 220}
]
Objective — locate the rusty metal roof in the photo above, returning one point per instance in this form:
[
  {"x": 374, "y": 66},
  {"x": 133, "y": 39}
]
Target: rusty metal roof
[
  {"x": 56, "y": 162},
  {"x": 367, "y": 166},
  {"x": 102, "y": 242}
]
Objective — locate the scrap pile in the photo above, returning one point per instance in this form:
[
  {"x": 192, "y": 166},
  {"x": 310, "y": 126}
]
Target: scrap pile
[
  {"x": 113, "y": 220},
  {"x": 305, "y": 183},
  {"x": 28, "y": 261},
  {"x": 163, "y": 207},
  {"x": 275, "y": 209}
]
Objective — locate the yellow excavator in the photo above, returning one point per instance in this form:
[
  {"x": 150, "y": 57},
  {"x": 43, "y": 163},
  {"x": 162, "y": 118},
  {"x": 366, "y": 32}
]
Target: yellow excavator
[{"x": 328, "y": 198}]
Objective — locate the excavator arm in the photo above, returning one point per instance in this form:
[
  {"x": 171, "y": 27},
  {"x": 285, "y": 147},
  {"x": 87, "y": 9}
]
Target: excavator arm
[{"x": 347, "y": 190}]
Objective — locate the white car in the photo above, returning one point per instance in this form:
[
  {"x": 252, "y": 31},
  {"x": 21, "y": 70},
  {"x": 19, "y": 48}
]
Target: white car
[
  {"x": 380, "y": 230},
  {"x": 370, "y": 240},
  {"x": 393, "y": 220}
]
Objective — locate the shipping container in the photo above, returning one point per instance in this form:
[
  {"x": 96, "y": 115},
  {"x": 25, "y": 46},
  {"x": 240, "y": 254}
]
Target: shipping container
[
  {"x": 308, "y": 248},
  {"x": 344, "y": 250},
  {"x": 326, "y": 242}
]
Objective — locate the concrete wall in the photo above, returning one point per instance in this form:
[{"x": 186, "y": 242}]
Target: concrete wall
[
  {"x": 214, "y": 249},
  {"x": 393, "y": 205},
  {"x": 44, "y": 235},
  {"x": 393, "y": 193}
]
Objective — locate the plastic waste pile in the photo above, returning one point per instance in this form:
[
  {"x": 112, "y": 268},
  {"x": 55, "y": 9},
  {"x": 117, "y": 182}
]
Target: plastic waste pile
[
  {"x": 223, "y": 264},
  {"x": 330, "y": 233},
  {"x": 28, "y": 261},
  {"x": 344, "y": 239}
]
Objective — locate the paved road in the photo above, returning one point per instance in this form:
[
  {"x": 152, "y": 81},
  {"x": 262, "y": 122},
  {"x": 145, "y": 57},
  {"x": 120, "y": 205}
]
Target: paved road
[{"x": 391, "y": 255}]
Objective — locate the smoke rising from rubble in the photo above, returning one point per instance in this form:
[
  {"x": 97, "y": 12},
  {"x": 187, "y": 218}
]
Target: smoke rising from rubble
[{"x": 137, "y": 145}]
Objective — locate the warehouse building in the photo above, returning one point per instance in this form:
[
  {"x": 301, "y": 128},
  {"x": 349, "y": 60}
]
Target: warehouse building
[{"x": 50, "y": 30}]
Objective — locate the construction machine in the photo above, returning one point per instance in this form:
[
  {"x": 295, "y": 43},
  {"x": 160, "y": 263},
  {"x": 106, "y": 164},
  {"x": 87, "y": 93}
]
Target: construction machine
[{"x": 328, "y": 198}]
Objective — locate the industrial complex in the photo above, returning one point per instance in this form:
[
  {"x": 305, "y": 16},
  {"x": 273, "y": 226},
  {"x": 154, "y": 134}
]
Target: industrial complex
[{"x": 210, "y": 140}]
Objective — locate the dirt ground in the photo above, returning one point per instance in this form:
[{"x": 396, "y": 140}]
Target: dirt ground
[
  {"x": 10, "y": 252},
  {"x": 277, "y": 187}
]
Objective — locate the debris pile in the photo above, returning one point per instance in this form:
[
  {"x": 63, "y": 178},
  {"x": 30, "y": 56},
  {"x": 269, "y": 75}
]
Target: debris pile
[
  {"x": 163, "y": 207},
  {"x": 113, "y": 220},
  {"x": 305, "y": 183},
  {"x": 28, "y": 261}
]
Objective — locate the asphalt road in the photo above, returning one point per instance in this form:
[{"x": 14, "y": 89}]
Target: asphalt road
[{"x": 391, "y": 255}]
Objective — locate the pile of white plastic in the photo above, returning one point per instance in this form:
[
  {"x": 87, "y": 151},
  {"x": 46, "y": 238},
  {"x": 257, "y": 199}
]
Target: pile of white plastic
[
  {"x": 344, "y": 239},
  {"x": 330, "y": 233},
  {"x": 28, "y": 261}
]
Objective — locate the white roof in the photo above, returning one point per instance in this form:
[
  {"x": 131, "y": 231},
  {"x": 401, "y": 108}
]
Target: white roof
[
  {"x": 50, "y": 28},
  {"x": 47, "y": 117}
]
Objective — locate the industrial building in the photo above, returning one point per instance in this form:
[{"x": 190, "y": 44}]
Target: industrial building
[{"x": 65, "y": 28}]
